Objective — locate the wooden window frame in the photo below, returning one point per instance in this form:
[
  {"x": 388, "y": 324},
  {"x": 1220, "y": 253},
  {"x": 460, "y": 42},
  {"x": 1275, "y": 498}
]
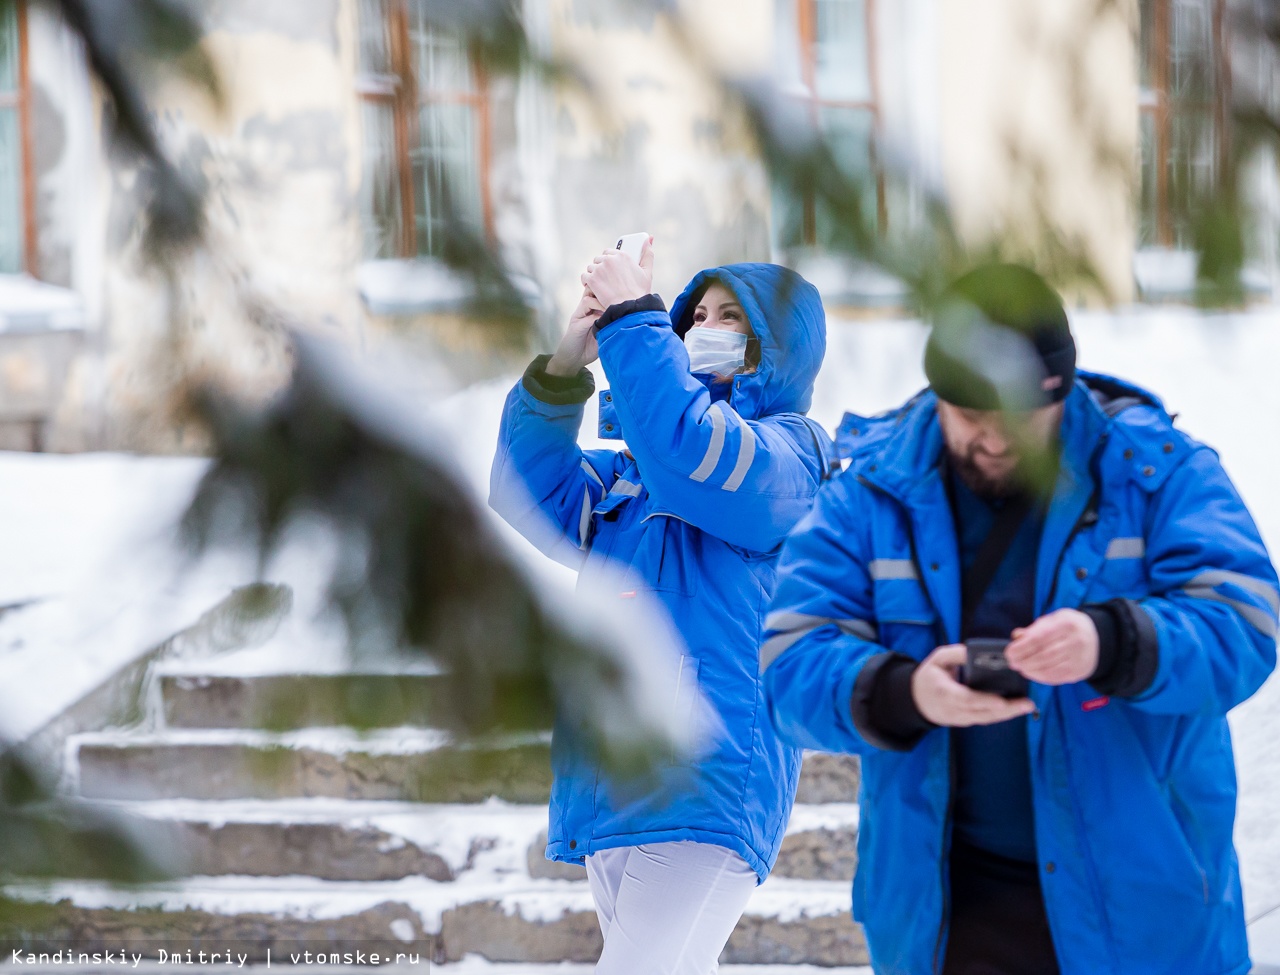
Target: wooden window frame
[
  {"x": 807, "y": 29},
  {"x": 21, "y": 101},
  {"x": 402, "y": 93},
  {"x": 1162, "y": 111}
]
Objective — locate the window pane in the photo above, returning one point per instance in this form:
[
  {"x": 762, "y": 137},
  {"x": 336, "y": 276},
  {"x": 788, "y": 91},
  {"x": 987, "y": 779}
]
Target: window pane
[
  {"x": 444, "y": 169},
  {"x": 841, "y": 70},
  {"x": 375, "y": 38},
  {"x": 440, "y": 62},
  {"x": 850, "y": 132},
  {"x": 788, "y": 215},
  {"x": 380, "y": 188},
  {"x": 11, "y": 217},
  {"x": 1191, "y": 51},
  {"x": 1148, "y": 232},
  {"x": 1191, "y": 166}
]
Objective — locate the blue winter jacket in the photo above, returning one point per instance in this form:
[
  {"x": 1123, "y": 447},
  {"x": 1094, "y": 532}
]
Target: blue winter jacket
[
  {"x": 697, "y": 518},
  {"x": 1134, "y": 798}
]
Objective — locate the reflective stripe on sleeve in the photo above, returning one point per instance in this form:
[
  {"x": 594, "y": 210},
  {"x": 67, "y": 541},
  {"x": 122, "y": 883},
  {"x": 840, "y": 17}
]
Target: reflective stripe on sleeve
[
  {"x": 625, "y": 487},
  {"x": 1220, "y": 577},
  {"x": 1255, "y": 617},
  {"x": 746, "y": 454},
  {"x": 1204, "y": 586},
  {"x": 591, "y": 473},
  {"x": 715, "y": 447},
  {"x": 793, "y": 626}
]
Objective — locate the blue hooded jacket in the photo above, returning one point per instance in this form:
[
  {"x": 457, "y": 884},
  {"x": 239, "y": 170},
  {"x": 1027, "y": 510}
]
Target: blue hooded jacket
[
  {"x": 1134, "y": 797},
  {"x": 696, "y": 514}
]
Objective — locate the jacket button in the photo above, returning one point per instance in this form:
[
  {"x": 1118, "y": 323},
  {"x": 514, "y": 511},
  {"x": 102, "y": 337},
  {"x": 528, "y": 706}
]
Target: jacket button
[
  {"x": 1128, "y": 455},
  {"x": 608, "y": 397},
  {"x": 608, "y": 428},
  {"x": 1050, "y": 867},
  {"x": 1148, "y": 471},
  {"x": 573, "y": 844},
  {"x": 1168, "y": 448},
  {"x": 1082, "y": 573},
  {"x": 933, "y": 566}
]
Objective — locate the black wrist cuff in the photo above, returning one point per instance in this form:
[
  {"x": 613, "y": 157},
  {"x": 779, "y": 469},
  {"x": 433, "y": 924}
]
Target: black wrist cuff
[
  {"x": 624, "y": 308},
  {"x": 884, "y": 710},
  {"x": 1128, "y": 652},
  {"x": 557, "y": 390}
]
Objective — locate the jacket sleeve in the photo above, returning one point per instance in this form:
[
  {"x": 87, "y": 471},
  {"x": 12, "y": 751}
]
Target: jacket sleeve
[
  {"x": 820, "y": 658},
  {"x": 746, "y": 482},
  {"x": 1210, "y": 633},
  {"x": 542, "y": 483}
]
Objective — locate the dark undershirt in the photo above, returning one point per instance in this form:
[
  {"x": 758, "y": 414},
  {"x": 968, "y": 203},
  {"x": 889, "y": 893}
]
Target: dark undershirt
[{"x": 993, "y": 806}]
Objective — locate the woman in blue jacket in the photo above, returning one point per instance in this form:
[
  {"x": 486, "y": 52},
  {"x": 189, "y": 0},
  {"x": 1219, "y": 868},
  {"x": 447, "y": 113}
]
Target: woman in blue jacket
[{"x": 720, "y": 463}]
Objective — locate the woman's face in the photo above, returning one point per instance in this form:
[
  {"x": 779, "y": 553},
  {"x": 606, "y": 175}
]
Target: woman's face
[{"x": 720, "y": 309}]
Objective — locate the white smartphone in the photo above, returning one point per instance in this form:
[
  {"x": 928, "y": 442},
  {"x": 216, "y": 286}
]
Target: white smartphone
[{"x": 632, "y": 245}]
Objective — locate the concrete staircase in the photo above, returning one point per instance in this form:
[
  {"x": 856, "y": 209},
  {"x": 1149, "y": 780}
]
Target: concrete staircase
[{"x": 285, "y": 826}]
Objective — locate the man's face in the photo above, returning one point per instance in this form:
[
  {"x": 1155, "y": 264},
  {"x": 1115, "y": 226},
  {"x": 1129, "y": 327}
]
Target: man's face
[{"x": 990, "y": 449}]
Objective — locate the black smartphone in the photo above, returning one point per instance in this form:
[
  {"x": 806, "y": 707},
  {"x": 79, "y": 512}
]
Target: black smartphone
[{"x": 986, "y": 669}]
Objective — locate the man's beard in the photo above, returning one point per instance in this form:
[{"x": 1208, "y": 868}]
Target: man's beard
[{"x": 985, "y": 486}]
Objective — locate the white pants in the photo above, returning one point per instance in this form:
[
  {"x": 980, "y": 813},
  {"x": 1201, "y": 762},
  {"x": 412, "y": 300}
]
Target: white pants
[{"x": 667, "y": 908}]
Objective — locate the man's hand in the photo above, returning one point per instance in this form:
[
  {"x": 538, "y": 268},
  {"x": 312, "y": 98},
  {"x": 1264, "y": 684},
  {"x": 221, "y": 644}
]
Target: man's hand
[
  {"x": 1061, "y": 648},
  {"x": 945, "y": 701},
  {"x": 578, "y": 346},
  {"x": 613, "y": 277}
]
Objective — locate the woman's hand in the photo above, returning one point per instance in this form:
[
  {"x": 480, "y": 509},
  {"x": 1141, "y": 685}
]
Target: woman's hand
[
  {"x": 613, "y": 277},
  {"x": 578, "y": 347}
]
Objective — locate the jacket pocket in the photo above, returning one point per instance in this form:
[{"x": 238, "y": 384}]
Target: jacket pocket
[
  {"x": 1123, "y": 569},
  {"x": 667, "y": 557},
  {"x": 905, "y": 618}
]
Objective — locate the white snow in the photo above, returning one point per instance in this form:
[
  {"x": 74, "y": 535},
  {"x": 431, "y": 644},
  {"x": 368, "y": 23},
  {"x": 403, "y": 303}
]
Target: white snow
[
  {"x": 307, "y": 897},
  {"x": 28, "y": 305},
  {"x": 333, "y": 740},
  {"x": 89, "y": 537}
]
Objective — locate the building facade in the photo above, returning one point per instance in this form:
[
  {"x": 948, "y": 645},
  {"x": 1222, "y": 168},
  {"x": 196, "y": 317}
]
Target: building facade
[{"x": 356, "y": 139}]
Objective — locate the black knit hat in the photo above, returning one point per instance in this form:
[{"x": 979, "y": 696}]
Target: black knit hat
[{"x": 1000, "y": 341}]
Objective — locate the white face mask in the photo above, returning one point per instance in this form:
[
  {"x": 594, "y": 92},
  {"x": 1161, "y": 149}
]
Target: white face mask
[{"x": 715, "y": 350}]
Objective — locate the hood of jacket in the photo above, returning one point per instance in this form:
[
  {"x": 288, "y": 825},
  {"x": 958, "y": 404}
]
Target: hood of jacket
[{"x": 786, "y": 314}]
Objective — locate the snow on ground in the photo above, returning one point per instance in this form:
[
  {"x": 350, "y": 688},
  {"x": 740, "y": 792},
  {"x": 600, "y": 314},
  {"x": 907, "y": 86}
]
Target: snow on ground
[
  {"x": 302, "y": 897},
  {"x": 90, "y": 536}
]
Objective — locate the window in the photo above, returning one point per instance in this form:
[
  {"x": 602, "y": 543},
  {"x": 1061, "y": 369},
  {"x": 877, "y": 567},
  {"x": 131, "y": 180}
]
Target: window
[
  {"x": 424, "y": 111},
  {"x": 17, "y": 249},
  {"x": 836, "y": 76},
  {"x": 1183, "y": 133}
]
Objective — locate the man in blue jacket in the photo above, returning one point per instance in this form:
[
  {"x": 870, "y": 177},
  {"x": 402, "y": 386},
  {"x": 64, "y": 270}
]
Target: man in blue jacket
[{"x": 1086, "y": 827}]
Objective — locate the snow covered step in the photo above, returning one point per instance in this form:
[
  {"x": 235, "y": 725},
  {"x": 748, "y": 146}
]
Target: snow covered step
[
  {"x": 404, "y": 764},
  {"x": 821, "y": 844},
  {"x": 350, "y": 841},
  {"x": 401, "y": 764},
  {"x": 334, "y": 839},
  {"x": 301, "y": 700},
  {"x": 501, "y": 919}
]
